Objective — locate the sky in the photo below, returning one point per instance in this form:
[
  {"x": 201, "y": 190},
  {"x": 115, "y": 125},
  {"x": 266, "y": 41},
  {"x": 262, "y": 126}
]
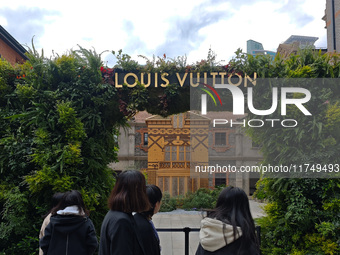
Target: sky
[{"x": 155, "y": 27}]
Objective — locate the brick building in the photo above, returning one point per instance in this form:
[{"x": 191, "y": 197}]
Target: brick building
[
  {"x": 10, "y": 49},
  {"x": 168, "y": 148}
]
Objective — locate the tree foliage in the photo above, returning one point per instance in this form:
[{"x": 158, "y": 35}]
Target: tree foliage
[
  {"x": 59, "y": 122},
  {"x": 302, "y": 213}
]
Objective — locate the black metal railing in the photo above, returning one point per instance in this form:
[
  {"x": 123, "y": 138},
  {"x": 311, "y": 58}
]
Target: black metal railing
[{"x": 187, "y": 230}]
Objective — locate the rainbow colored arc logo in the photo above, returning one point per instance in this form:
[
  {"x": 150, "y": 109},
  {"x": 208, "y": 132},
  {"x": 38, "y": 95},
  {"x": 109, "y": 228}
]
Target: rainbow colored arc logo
[{"x": 209, "y": 93}]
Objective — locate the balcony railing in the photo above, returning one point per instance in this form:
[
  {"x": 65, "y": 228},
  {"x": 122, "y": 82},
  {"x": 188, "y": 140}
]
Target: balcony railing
[{"x": 174, "y": 165}]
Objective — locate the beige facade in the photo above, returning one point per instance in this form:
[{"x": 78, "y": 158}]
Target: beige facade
[
  {"x": 332, "y": 20},
  {"x": 285, "y": 50},
  {"x": 167, "y": 149}
]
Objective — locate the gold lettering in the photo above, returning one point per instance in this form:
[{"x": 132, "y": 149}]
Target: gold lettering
[
  {"x": 116, "y": 81},
  {"x": 239, "y": 79},
  {"x": 191, "y": 80},
  {"x": 214, "y": 78},
  {"x": 181, "y": 81},
  {"x": 222, "y": 77},
  {"x": 156, "y": 80},
  {"x": 164, "y": 79},
  {"x": 126, "y": 77},
  {"x": 246, "y": 77},
  {"x": 142, "y": 80}
]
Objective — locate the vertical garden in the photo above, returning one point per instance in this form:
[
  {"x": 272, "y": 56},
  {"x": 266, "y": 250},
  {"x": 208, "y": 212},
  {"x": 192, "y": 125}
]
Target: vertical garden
[
  {"x": 58, "y": 128},
  {"x": 59, "y": 122},
  {"x": 303, "y": 213}
]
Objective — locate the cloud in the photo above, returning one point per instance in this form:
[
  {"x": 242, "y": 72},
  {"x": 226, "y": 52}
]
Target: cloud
[
  {"x": 184, "y": 34},
  {"x": 296, "y": 12},
  {"x": 135, "y": 44},
  {"x": 24, "y": 23}
]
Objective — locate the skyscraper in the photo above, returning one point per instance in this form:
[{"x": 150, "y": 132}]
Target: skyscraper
[
  {"x": 255, "y": 48},
  {"x": 332, "y": 20},
  {"x": 253, "y": 45}
]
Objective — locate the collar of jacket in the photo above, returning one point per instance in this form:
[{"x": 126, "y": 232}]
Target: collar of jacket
[{"x": 215, "y": 234}]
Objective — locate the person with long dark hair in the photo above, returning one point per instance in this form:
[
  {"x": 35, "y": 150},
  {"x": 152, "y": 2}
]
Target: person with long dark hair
[
  {"x": 145, "y": 227},
  {"x": 118, "y": 235},
  {"x": 229, "y": 228},
  {"x": 56, "y": 198},
  {"x": 70, "y": 230}
]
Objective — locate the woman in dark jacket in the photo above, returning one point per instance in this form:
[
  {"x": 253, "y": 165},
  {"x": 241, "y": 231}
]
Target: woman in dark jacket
[
  {"x": 70, "y": 231},
  {"x": 229, "y": 228},
  {"x": 145, "y": 226},
  {"x": 118, "y": 232}
]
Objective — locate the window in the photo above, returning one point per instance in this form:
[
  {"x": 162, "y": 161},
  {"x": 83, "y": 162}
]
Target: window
[
  {"x": 220, "y": 180},
  {"x": 145, "y": 139},
  {"x": 220, "y": 139},
  {"x": 177, "y": 153}
]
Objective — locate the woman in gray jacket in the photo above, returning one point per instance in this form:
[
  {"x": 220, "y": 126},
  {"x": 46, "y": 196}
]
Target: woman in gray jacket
[{"x": 229, "y": 228}]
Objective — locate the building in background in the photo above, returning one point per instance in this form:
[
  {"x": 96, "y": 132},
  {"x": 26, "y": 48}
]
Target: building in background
[
  {"x": 255, "y": 48},
  {"x": 294, "y": 43},
  {"x": 167, "y": 148},
  {"x": 302, "y": 41},
  {"x": 332, "y": 21},
  {"x": 253, "y": 45},
  {"x": 10, "y": 49}
]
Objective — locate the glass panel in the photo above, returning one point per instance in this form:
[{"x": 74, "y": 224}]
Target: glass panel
[
  {"x": 220, "y": 179},
  {"x": 181, "y": 186},
  {"x": 167, "y": 156},
  {"x": 166, "y": 184},
  {"x": 181, "y": 156},
  {"x": 145, "y": 138},
  {"x": 194, "y": 185},
  {"x": 189, "y": 181},
  {"x": 160, "y": 183},
  {"x": 174, "y": 186},
  {"x": 181, "y": 148},
  {"x": 220, "y": 139},
  {"x": 174, "y": 156}
]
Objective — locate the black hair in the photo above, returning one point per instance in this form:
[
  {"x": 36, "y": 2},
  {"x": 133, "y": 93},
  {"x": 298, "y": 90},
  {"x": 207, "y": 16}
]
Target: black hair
[
  {"x": 129, "y": 193},
  {"x": 56, "y": 198},
  {"x": 232, "y": 207},
  {"x": 154, "y": 194},
  {"x": 71, "y": 198}
]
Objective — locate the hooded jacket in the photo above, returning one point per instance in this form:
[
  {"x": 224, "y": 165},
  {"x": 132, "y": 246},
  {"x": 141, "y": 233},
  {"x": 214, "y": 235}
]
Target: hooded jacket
[
  {"x": 217, "y": 237},
  {"x": 69, "y": 233},
  {"x": 119, "y": 235}
]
